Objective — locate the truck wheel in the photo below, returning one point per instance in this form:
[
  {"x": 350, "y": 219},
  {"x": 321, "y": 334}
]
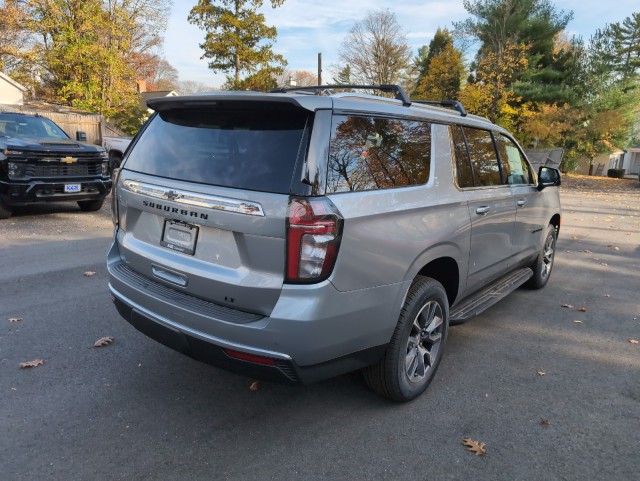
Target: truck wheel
[
  {"x": 90, "y": 205},
  {"x": 114, "y": 162},
  {"x": 5, "y": 210},
  {"x": 544, "y": 263},
  {"x": 417, "y": 344}
]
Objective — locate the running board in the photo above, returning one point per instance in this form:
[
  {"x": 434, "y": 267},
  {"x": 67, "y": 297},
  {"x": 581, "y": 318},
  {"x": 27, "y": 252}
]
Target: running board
[{"x": 487, "y": 297}]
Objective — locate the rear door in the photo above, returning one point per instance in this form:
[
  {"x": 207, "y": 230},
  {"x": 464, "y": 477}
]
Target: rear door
[
  {"x": 203, "y": 199},
  {"x": 530, "y": 209},
  {"x": 490, "y": 204}
]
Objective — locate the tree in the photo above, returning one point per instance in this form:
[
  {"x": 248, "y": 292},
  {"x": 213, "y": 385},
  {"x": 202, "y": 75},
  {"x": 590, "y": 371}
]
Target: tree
[
  {"x": 301, "y": 78},
  {"x": 88, "y": 51},
  {"x": 441, "y": 70},
  {"x": 534, "y": 23},
  {"x": 499, "y": 23},
  {"x": 343, "y": 77},
  {"x": 261, "y": 81},
  {"x": 376, "y": 49},
  {"x": 490, "y": 93},
  {"x": 15, "y": 40},
  {"x": 236, "y": 37},
  {"x": 625, "y": 39},
  {"x": 190, "y": 87},
  {"x": 156, "y": 72}
]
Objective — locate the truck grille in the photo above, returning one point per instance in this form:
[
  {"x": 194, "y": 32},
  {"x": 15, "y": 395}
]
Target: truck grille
[{"x": 60, "y": 170}]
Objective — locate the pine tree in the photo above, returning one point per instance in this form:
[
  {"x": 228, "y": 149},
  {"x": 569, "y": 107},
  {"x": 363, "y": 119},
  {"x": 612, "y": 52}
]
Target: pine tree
[
  {"x": 625, "y": 38},
  {"x": 343, "y": 76},
  {"x": 237, "y": 39},
  {"x": 441, "y": 41},
  {"x": 442, "y": 80}
]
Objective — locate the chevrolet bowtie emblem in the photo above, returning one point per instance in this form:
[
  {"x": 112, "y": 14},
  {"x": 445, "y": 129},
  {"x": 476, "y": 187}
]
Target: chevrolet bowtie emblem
[{"x": 68, "y": 160}]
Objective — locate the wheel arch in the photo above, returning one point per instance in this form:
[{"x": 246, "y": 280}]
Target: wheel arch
[
  {"x": 556, "y": 221},
  {"x": 446, "y": 264}
]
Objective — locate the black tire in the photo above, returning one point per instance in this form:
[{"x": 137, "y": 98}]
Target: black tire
[
  {"x": 410, "y": 362},
  {"x": 544, "y": 263},
  {"x": 91, "y": 205},
  {"x": 5, "y": 210},
  {"x": 115, "y": 160}
]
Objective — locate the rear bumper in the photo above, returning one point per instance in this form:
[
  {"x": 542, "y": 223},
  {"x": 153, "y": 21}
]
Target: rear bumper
[
  {"x": 36, "y": 191},
  {"x": 314, "y": 332}
]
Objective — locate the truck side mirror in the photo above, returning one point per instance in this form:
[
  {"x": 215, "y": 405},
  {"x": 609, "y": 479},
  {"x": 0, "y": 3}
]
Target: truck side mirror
[
  {"x": 81, "y": 136},
  {"x": 548, "y": 177}
]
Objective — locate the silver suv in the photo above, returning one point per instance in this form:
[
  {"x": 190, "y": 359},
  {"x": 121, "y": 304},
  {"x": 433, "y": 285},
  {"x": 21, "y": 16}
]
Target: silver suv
[{"x": 300, "y": 235}]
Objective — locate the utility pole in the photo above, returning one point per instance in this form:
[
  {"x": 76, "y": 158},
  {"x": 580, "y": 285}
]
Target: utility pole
[{"x": 320, "y": 68}]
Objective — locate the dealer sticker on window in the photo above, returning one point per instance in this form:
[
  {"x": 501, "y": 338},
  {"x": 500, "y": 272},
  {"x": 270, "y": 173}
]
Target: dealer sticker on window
[{"x": 179, "y": 236}]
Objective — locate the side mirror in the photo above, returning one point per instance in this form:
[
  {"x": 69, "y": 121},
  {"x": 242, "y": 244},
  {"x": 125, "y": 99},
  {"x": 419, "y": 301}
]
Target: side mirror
[
  {"x": 548, "y": 177},
  {"x": 81, "y": 136}
]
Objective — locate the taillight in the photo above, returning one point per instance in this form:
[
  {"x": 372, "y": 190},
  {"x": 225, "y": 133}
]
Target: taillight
[
  {"x": 314, "y": 227},
  {"x": 114, "y": 197}
]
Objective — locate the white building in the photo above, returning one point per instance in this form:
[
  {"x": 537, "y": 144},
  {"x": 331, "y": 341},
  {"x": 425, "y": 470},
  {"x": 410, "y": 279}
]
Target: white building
[
  {"x": 11, "y": 92},
  {"x": 631, "y": 160}
]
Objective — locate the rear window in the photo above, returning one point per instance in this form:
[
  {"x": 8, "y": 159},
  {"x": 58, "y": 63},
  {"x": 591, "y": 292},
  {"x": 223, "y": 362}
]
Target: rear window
[{"x": 248, "y": 148}]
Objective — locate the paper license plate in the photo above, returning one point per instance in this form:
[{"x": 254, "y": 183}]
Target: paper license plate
[
  {"x": 72, "y": 187},
  {"x": 179, "y": 236}
]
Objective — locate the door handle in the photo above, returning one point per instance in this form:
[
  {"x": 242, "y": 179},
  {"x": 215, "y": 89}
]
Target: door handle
[
  {"x": 521, "y": 203},
  {"x": 482, "y": 210}
]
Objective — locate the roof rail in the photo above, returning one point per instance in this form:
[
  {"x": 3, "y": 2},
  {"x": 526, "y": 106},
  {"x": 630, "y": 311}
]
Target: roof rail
[
  {"x": 397, "y": 90},
  {"x": 445, "y": 103}
]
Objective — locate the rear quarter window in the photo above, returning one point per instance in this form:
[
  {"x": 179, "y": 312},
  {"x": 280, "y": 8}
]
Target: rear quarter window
[
  {"x": 484, "y": 159},
  {"x": 368, "y": 153},
  {"x": 246, "y": 148}
]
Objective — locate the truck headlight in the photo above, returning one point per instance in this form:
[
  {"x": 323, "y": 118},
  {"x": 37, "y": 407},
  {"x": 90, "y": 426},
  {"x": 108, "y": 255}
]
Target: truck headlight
[
  {"x": 105, "y": 169},
  {"x": 16, "y": 169}
]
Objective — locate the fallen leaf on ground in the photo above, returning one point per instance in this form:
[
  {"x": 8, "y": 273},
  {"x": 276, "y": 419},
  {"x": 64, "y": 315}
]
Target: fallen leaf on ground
[
  {"x": 568, "y": 306},
  {"x": 545, "y": 422},
  {"x": 582, "y": 309},
  {"x": 634, "y": 341},
  {"x": 578, "y": 321},
  {"x": 14, "y": 319},
  {"x": 255, "y": 386},
  {"x": 616, "y": 248},
  {"x": 103, "y": 341},
  {"x": 34, "y": 363},
  {"x": 89, "y": 274},
  {"x": 541, "y": 373},
  {"x": 474, "y": 446}
]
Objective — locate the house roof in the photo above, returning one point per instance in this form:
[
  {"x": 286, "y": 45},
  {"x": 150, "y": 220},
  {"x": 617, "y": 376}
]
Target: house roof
[{"x": 13, "y": 82}]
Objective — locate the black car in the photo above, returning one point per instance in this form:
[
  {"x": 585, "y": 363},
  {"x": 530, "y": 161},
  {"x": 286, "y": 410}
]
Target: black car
[{"x": 39, "y": 162}]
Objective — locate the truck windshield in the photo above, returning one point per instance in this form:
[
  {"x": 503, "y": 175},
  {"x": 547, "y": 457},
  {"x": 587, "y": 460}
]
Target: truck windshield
[
  {"x": 28, "y": 127},
  {"x": 245, "y": 148}
]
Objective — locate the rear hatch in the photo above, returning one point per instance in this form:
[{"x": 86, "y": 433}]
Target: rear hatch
[{"x": 203, "y": 197}]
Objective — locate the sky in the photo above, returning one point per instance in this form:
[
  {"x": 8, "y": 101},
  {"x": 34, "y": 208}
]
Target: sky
[{"x": 307, "y": 27}]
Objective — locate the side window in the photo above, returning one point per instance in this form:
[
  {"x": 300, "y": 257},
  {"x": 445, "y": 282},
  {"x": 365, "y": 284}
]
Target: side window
[
  {"x": 368, "y": 153},
  {"x": 514, "y": 165},
  {"x": 484, "y": 160},
  {"x": 463, "y": 165}
]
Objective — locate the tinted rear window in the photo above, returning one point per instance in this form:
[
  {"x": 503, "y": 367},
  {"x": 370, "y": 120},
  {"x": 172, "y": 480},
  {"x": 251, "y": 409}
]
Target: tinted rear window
[{"x": 248, "y": 148}]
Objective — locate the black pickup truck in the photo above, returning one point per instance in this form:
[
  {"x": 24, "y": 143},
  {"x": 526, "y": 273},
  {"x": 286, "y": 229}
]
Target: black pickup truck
[{"x": 39, "y": 162}]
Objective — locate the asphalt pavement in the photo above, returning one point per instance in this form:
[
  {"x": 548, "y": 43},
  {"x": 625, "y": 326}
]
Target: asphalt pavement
[{"x": 552, "y": 398}]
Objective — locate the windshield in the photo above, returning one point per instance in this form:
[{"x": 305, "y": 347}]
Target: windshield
[
  {"x": 249, "y": 148},
  {"x": 27, "y": 127}
]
